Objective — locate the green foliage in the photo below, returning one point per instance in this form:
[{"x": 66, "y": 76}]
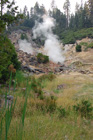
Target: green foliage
[
  {"x": 20, "y": 79},
  {"x": 29, "y": 112},
  {"x": 8, "y": 112},
  {"x": 36, "y": 87},
  {"x": 70, "y": 36},
  {"x": 51, "y": 104},
  {"x": 8, "y": 56},
  {"x": 78, "y": 48},
  {"x": 2, "y": 25},
  {"x": 42, "y": 58},
  {"x": 77, "y": 27},
  {"x": 56, "y": 91},
  {"x": 85, "y": 108},
  {"x": 8, "y": 117},
  {"x": 47, "y": 105},
  {"x": 84, "y": 43},
  {"x": 49, "y": 77},
  {"x": 24, "y": 36},
  {"x": 62, "y": 112},
  {"x": 90, "y": 45},
  {"x": 7, "y": 18}
]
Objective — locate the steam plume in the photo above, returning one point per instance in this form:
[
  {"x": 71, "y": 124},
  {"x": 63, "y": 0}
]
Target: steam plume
[
  {"x": 52, "y": 44},
  {"x": 25, "y": 46}
]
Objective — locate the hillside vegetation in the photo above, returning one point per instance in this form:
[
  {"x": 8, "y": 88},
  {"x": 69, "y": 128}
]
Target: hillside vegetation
[
  {"x": 63, "y": 111},
  {"x": 8, "y": 56},
  {"x": 70, "y": 36}
]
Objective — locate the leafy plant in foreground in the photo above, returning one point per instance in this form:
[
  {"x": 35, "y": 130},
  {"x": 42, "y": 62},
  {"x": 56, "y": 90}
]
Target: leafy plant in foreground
[
  {"x": 36, "y": 87},
  {"x": 51, "y": 104},
  {"x": 8, "y": 57},
  {"x": 85, "y": 108},
  {"x": 62, "y": 112}
]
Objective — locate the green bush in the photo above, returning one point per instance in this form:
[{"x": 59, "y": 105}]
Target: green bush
[
  {"x": 70, "y": 36},
  {"x": 51, "y": 104},
  {"x": 84, "y": 43},
  {"x": 48, "y": 105},
  {"x": 37, "y": 87},
  {"x": 90, "y": 45},
  {"x": 62, "y": 112},
  {"x": 8, "y": 56},
  {"x": 78, "y": 48},
  {"x": 49, "y": 76},
  {"x": 42, "y": 58},
  {"x": 84, "y": 108}
]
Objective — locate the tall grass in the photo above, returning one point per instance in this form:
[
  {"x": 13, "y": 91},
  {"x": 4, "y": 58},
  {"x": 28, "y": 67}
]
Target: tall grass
[
  {"x": 9, "y": 110},
  {"x": 32, "y": 118},
  {"x": 8, "y": 118}
]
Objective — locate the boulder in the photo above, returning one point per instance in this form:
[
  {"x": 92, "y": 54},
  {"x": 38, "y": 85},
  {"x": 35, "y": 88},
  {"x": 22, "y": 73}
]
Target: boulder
[
  {"x": 27, "y": 68},
  {"x": 32, "y": 70},
  {"x": 59, "y": 87},
  {"x": 57, "y": 70}
]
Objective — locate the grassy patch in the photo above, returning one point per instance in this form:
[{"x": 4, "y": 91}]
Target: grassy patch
[
  {"x": 50, "y": 118},
  {"x": 84, "y": 43},
  {"x": 87, "y": 45},
  {"x": 90, "y": 45}
]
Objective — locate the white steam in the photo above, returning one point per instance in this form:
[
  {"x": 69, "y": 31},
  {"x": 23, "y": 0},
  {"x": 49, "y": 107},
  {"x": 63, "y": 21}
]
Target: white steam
[
  {"x": 25, "y": 46},
  {"x": 44, "y": 28},
  {"x": 52, "y": 44}
]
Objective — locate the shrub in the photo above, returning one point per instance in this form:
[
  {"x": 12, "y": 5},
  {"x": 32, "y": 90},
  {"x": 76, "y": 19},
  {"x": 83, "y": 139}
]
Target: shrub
[
  {"x": 84, "y": 43},
  {"x": 51, "y": 104},
  {"x": 8, "y": 56},
  {"x": 69, "y": 36},
  {"x": 37, "y": 87},
  {"x": 70, "y": 39},
  {"x": 42, "y": 58},
  {"x": 62, "y": 112},
  {"x": 49, "y": 77},
  {"x": 48, "y": 105},
  {"x": 90, "y": 45},
  {"x": 84, "y": 108},
  {"x": 78, "y": 48}
]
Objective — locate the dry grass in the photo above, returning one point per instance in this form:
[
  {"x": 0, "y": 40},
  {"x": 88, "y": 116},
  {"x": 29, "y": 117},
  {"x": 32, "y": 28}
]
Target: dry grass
[
  {"x": 45, "y": 126},
  {"x": 74, "y": 85}
]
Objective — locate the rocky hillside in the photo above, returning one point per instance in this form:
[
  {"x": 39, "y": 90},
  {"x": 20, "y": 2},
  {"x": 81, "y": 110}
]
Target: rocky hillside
[
  {"x": 80, "y": 60},
  {"x": 74, "y": 61}
]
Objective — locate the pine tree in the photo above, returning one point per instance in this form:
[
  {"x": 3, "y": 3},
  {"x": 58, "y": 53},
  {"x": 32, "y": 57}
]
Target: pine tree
[
  {"x": 42, "y": 10},
  {"x": 31, "y": 12},
  {"x": 77, "y": 8},
  {"x": 53, "y": 5},
  {"x": 90, "y": 4},
  {"x": 25, "y": 11},
  {"x": 6, "y": 18},
  {"x": 36, "y": 8},
  {"x": 67, "y": 11}
]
